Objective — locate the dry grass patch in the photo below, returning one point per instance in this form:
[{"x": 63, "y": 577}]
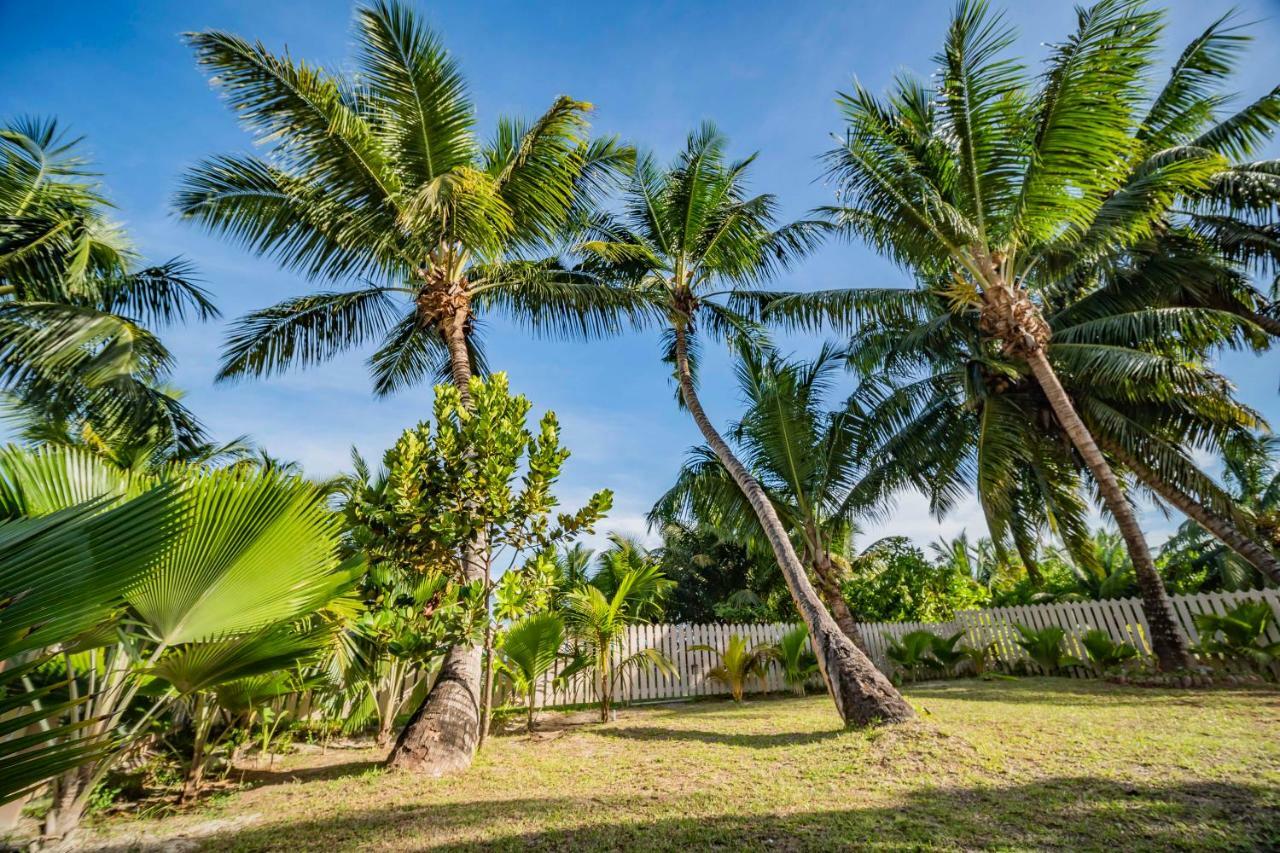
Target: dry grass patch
[{"x": 1034, "y": 763}]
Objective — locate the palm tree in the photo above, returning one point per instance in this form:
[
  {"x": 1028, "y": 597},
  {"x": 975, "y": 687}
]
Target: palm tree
[
  {"x": 63, "y": 575},
  {"x": 807, "y": 460},
  {"x": 961, "y": 415},
  {"x": 230, "y": 585},
  {"x": 691, "y": 244},
  {"x": 380, "y": 180},
  {"x": 738, "y": 663},
  {"x": 75, "y": 303},
  {"x": 530, "y": 649},
  {"x": 1252, "y": 476},
  {"x": 998, "y": 194},
  {"x": 598, "y": 626},
  {"x": 797, "y": 661}
]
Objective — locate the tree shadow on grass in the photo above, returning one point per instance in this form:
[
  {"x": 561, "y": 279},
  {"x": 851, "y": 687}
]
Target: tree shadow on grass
[
  {"x": 1037, "y": 690},
  {"x": 266, "y": 776},
  {"x": 769, "y": 740},
  {"x": 1076, "y": 813}
]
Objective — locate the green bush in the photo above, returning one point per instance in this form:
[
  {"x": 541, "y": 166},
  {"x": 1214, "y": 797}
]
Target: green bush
[
  {"x": 1105, "y": 653},
  {"x": 1044, "y": 646},
  {"x": 1239, "y": 635}
]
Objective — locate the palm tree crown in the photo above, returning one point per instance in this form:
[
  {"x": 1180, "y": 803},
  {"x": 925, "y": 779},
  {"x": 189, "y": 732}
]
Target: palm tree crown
[
  {"x": 1004, "y": 194},
  {"x": 379, "y": 178},
  {"x": 75, "y": 304}
]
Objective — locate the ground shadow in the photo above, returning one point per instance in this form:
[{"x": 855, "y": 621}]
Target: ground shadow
[
  {"x": 1072, "y": 691},
  {"x": 267, "y": 776},
  {"x": 1076, "y": 813},
  {"x": 754, "y": 741}
]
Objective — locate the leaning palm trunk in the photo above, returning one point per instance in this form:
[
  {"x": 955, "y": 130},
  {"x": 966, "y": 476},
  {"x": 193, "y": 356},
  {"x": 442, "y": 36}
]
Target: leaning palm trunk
[
  {"x": 444, "y": 732},
  {"x": 1010, "y": 316},
  {"x": 1226, "y": 532},
  {"x": 861, "y": 692},
  {"x": 828, "y": 577}
]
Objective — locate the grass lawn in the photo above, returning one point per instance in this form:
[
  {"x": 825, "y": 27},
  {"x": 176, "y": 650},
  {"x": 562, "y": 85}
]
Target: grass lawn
[{"x": 1028, "y": 764}]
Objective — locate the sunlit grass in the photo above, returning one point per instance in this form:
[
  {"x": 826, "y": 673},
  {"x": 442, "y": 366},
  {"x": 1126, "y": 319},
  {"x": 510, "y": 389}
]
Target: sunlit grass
[{"x": 1033, "y": 763}]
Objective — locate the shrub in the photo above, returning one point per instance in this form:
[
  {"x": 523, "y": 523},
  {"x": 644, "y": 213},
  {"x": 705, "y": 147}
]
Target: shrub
[
  {"x": 738, "y": 664},
  {"x": 799, "y": 664},
  {"x": 1044, "y": 646},
  {"x": 1105, "y": 653},
  {"x": 912, "y": 652},
  {"x": 1239, "y": 634}
]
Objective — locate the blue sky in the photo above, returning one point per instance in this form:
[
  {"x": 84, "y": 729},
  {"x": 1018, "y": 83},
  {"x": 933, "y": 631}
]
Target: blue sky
[{"x": 118, "y": 73}]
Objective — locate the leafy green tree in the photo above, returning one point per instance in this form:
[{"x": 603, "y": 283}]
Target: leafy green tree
[
  {"x": 379, "y": 178},
  {"x": 999, "y": 194},
  {"x": 691, "y": 244},
  {"x": 718, "y": 580},
  {"x": 475, "y": 473},
  {"x": 75, "y": 303},
  {"x": 893, "y": 581}
]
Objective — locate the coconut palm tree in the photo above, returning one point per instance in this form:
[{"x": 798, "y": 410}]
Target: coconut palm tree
[
  {"x": 797, "y": 662},
  {"x": 598, "y": 624},
  {"x": 693, "y": 245},
  {"x": 75, "y": 303},
  {"x": 963, "y": 416},
  {"x": 998, "y": 193},
  {"x": 738, "y": 663},
  {"x": 807, "y": 460},
  {"x": 378, "y": 182},
  {"x": 1252, "y": 477}
]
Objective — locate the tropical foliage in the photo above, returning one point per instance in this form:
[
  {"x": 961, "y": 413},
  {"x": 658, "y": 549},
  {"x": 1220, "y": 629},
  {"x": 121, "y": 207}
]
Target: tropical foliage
[
  {"x": 529, "y": 649},
  {"x": 1240, "y": 635},
  {"x": 1044, "y": 646},
  {"x": 1039, "y": 217},
  {"x": 598, "y": 626},
  {"x": 1083, "y": 242},
  {"x": 238, "y": 575},
  {"x": 75, "y": 301},
  {"x": 738, "y": 663},
  {"x": 798, "y": 663},
  {"x": 378, "y": 181}
]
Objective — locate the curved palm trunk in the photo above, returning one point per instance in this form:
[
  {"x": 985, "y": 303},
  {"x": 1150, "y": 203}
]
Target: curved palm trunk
[
  {"x": 1166, "y": 638},
  {"x": 827, "y": 575},
  {"x": 861, "y": 692},
  {"x": 1226, "y": 532},
  {"x": 444, "y": 732}
]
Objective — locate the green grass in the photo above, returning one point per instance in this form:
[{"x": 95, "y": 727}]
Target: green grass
[{"x": 1034, "y": 763}]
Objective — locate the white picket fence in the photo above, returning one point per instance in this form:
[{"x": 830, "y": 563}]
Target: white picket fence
[{"x": 1122, "y": 619}]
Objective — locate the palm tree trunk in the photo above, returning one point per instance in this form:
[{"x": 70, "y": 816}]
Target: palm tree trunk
[
  {"x": 1226, "y": 532},
  {"x": 444, "y": 732},
  {"x": 828, "y": 577},
  {"x": 861, "y": 692},
  {"x": 1166, "y": 638}
]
